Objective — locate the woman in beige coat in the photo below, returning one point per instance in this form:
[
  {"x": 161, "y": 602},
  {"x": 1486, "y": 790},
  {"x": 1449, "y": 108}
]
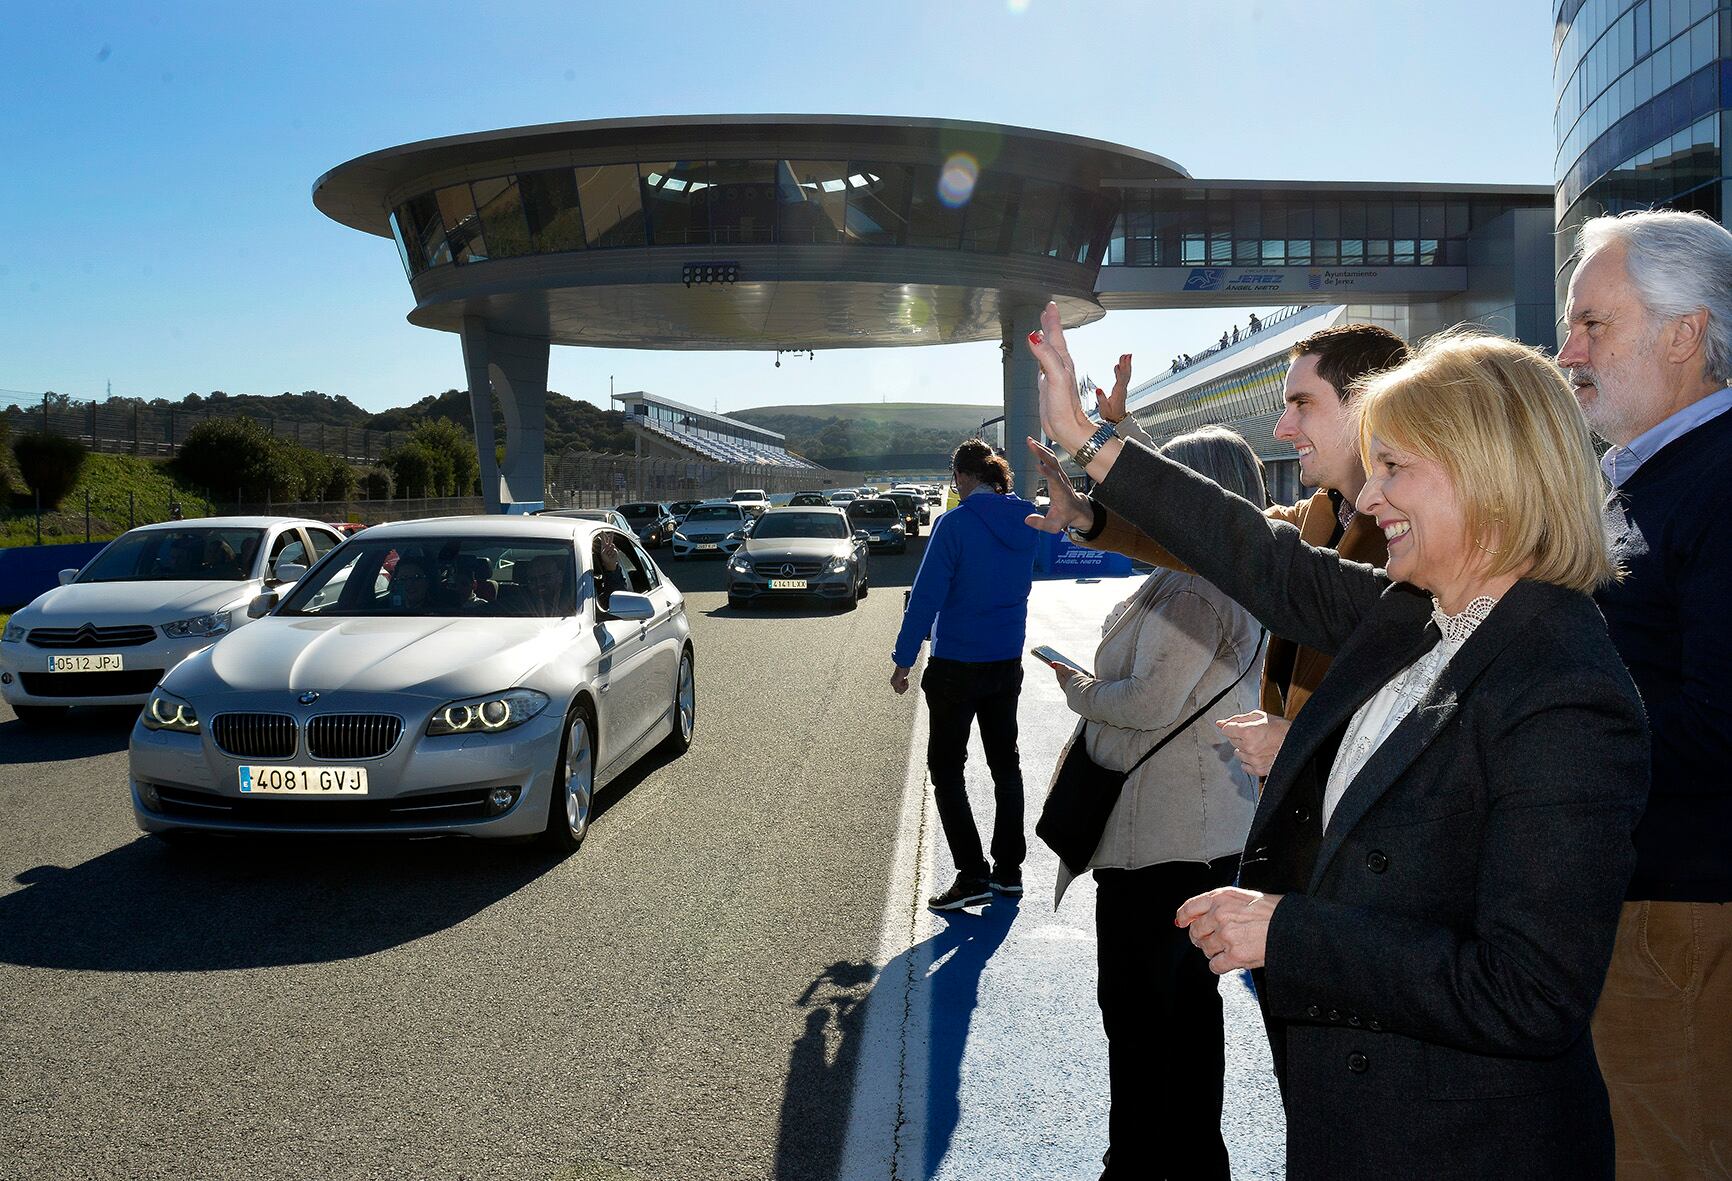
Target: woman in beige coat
[{"x": 1176, "y": 832}]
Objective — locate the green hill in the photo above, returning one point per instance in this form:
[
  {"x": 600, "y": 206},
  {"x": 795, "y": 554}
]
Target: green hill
[{"x": 829, "y": 432}]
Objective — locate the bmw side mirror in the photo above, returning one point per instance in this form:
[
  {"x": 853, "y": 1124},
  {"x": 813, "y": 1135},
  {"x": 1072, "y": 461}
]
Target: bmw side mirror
[
  {"x": 262, "y": 605},
  {"x": 289, "y": 571},
  {"x": 66, "y": 577},
  {"x": 629, "y": 607}
]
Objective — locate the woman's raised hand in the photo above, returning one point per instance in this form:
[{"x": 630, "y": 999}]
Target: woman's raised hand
[
  {"x": 1064, "y": 507},
  {"x": 1061, "y": 412}
]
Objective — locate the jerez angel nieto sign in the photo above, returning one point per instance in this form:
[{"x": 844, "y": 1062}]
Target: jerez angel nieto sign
[{"x": 1223, "y": 279}]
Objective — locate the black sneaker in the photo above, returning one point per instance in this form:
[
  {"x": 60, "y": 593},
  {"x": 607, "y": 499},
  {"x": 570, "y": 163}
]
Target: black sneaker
[
  {"x": 1006, "y": 881},
  {"x": 963, "y": 892}
]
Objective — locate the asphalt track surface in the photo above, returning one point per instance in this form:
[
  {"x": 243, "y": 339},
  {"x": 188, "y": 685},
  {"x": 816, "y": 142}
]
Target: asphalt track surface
[
  {"x": 685, "y": 998},
  {"x": 674, "y": 1001}
]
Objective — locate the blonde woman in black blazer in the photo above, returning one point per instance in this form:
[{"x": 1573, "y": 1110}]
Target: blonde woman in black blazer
[{"x": 1433, "y": 877}]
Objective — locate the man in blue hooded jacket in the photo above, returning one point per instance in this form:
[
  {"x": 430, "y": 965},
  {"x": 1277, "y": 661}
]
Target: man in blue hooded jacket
[{"x": 971, "y": 597}]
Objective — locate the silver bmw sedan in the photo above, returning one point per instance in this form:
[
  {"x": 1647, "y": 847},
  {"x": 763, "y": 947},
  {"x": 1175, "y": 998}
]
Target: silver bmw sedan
[{"x": 477, "y": 676}]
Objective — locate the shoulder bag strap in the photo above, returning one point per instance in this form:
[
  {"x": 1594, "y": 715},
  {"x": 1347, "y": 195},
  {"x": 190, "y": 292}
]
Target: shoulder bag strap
[{"x": 1192, "y": 720}]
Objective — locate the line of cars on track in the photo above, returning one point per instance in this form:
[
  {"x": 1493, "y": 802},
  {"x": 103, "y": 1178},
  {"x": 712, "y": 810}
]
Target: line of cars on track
[{"x": 480, "y": 676}]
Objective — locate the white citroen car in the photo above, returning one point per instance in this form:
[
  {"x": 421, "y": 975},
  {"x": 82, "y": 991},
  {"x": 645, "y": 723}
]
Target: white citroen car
[
  {"x": 475, "y": 676},
  {"x": 147, "y": 601}
]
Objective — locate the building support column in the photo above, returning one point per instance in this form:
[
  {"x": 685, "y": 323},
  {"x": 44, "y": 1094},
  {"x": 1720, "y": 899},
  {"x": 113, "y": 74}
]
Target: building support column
[
  {"x": 514, "y": 370},
  {"x": 1021, "y": 393}
]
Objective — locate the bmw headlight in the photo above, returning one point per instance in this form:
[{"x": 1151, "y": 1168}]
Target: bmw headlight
[
  {"x": 14, "y": 633},
  {"x": 838, "y": 566},
  {"x": 214, "y": 624},
  {"x": 165, "y": 711},
  {"x": 487, "y": 715}
]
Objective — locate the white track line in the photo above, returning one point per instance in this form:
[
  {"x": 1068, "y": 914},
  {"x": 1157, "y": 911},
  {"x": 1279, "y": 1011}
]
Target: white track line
[{"x": 887, "y": 1116}]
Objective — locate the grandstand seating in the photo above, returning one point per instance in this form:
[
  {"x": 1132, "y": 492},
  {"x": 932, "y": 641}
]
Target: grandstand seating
[{"x": 723, "y": 449}]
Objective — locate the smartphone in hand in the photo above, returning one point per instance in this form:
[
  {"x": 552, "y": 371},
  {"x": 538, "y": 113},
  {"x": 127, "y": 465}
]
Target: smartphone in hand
[{"x": 1056, "y": 658}]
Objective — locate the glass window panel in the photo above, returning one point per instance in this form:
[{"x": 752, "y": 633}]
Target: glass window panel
[
  {"x": 1301, "y": 218},
  {"x": 878, "y": 203},
  {"x": 1035, "y": 216},
  {"x": 742, "y": 200},
  {"x": 1328, "y": 220},
  {"x": 1274, "y": 219},
  {"x": 500, "y": 205},
  {"x": 429, "y": 230},
  {"x": 676, "y": 201},
  {"x": 1353, "y": 219},
  {"x": 1701, "y": 45},
  {"x": 1325, "y": 251},
  {"x": 1406, "y": 215},
  {"x": 611, "y": 205},
  {"x": 1220, "y": 247},
  {"x": 1700, "y": 9},
  {"x": 932, "y": 221},
  {"x": 1298, "y": 252},
  {"x": 1274, "y": 252},
  {"x": 1247, "y": 251},
  {"x": 987, "y": 223},
  {"x": 1247, "y": 219},
  {"x": 462, "y": 226},
  {"x": 1644, "y": 39},
  {"x": 1194, "y": 246},
  {"x": 551, "y": 209},
  {"x": 408, "y": 245},
  {"x": 812, "y": 196},
  {"x": 1139, "y": 227},
  {"x": 1428, "y": 251},
  {"x": 1379, "y": 219},
  {"x": 1352, "y": 251},
  {"x": 1404, "y": 251},
  {"x": 1377, "y": 252},
  {"x": 1431, "y": 219},
  {"x": 1074, "y": 233}
]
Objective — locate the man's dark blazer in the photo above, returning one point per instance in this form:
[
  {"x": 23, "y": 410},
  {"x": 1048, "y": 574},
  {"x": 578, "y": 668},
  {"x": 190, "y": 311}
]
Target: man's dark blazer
[{"x": 1437, "y": 953}]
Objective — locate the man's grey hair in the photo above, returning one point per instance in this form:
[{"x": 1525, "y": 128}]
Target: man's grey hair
[
  {"x": 1679, "y": 263},
  {"x": 1224, "y": 457}
]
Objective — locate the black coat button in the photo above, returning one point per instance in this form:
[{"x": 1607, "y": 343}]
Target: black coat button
[
  {"x": 1375, "y": 1025},
  {"x": 1314, "y": 1012},
  {"x": 1376, "y": 861},
  {"x": 1358, "y": 1063},
  {"x": 1302, "y": 814},
  {"x": 1335, "y": 1014},
  {"x": 1353, "y": 1020}
]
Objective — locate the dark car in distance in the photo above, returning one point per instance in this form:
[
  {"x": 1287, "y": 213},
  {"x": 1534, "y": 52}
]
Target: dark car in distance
[
  {"x": 652, "y": 521},
  {"x": 680, "y": 508},
  {"x": 913, "y": 508},
  {"x": 882, "y": 522},
  {"x": 809, "y": 500}
]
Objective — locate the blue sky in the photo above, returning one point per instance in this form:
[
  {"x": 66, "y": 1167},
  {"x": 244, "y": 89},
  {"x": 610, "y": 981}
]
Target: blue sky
[{"x": 159, "y": 160}]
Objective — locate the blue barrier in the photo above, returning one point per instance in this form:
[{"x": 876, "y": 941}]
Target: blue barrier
[
  {"x": 28, "y": 570},
  {"x": 1060, "y": 557}
]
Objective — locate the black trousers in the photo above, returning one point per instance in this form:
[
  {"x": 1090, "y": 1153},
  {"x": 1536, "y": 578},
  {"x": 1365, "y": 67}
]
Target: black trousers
[
  {"x": 958, "y": 693},
  {"x": 1166, "y": 1057}
]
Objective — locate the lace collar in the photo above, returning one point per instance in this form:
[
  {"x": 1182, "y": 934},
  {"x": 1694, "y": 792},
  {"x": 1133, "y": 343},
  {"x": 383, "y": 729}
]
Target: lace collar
[{"x": 1457, "y": 628}]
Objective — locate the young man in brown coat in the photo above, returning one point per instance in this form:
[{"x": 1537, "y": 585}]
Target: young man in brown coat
[{"x": 1318, "y": 421}]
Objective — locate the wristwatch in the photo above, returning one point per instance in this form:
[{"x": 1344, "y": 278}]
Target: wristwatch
[{"x": 1085, "y": 454}]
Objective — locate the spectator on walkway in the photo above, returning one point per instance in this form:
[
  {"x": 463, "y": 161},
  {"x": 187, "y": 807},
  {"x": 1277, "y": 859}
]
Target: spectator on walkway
[
  {"x": 1176, "y": 832},
  {"x": 1323, "y": 371},
  {"x": 1235, "y": 334},
  {"x": 1432, "y": 882},
  {"x": 1256, "y": 324},
  {"x": 1650, "y": 353},
  {"x": 1223, "y": 338},
  {"x": 971, "y": 596}
]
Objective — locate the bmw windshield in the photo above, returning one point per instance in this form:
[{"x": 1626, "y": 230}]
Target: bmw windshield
[{"x": 461, "y": 576}]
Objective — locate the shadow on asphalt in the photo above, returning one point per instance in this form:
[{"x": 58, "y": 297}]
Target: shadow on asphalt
[
  {"x": 822, "y": 1064},
  {"x": 253, "y": 902},
  {"x": 89, "y": 730}
]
